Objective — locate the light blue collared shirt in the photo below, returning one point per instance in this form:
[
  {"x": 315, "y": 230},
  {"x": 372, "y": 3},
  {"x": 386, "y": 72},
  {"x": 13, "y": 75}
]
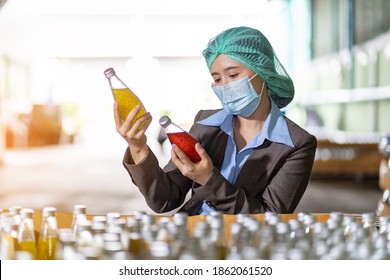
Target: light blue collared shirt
[{"x": 275, "y": 130}]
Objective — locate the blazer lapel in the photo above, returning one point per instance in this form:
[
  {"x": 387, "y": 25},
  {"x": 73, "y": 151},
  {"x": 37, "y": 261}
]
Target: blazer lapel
[{"x": 217, "y": 152}]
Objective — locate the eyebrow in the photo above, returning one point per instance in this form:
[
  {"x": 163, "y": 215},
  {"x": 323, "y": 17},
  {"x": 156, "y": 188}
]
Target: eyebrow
[{"x": 225, "y": 70}]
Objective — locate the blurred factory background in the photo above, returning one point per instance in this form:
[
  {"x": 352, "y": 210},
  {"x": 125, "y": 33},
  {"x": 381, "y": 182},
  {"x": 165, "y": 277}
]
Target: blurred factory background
[{"x": 58, "y": 144}]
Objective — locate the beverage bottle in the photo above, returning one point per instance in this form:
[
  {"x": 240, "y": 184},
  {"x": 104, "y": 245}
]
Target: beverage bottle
[
  {"x": 26, "y": 233},
  {"x": 47, "y": 240},
  {"x": 183, "y": 139},
  {"x": 136, "y": 243},
  {"x": 66, "y": 247},
  {"x": 98, "y": 229},
  {"x": 84, "y": 236},
  {"x": 181, "y": 234},
  {"x": 235, "y": 248},
  {"x": 217, "y": 237},
  {"x": 16, "y": 214},
  {"x": 369, "y": 223},
  {"x": 125, "y": 97},
  {"x": 9, "y": 237},
  {"x": 79, "y": 214},
  {"x": 111, "y": 218}
]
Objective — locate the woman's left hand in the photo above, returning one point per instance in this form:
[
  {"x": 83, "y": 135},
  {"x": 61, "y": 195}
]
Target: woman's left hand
[{"x": 198, "y": 172}]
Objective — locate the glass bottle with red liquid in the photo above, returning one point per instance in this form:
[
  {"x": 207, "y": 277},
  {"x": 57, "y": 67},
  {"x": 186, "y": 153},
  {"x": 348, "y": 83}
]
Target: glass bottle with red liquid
[{"x": 183, "y": 139}]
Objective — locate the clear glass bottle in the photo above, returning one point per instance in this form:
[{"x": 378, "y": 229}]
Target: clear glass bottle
[
  {"x": 79, "y": 214},
  {"x": 217, "y": 237},
  {"x": 84, "y": 236},
  {"x": 159, "y": 250},
  {"x": 47, "y": 240},
  {"x": 180, "y": 231},
  {"x": 98, "y": 230},
  {"x": 136, "y": 247},
  {"x": 9, "y": 237},
  {"x": 16, "y": 214},
  {"x": 235, "y": 249},
  {"x": 183, "y": 139},
  {"x": 192, "y": 250},
  {"x": 113, "y": 248},
  {"x": 180, "y": 219},
  {"x": 26, "y": 233},
  {"x": 111, "y": 218},
  {"x": 148, "y": 231},
  {"x": 66, "y": 249},
  {"x": 369, "y": 223},
  {"x": 100, "y": 219},
  {"x": 282, "y": 241},
  {"x": 125, "y": 97},
  {"x": 1, "y": 221},
  {"x": 308, "y": 222},
  {"x": 120, "y": 226},
  {"x": 267, "y": 241}
]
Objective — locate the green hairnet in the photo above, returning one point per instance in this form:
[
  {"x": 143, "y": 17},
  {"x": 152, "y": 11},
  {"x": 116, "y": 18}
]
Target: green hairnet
[{"x": 251, "y": 48}]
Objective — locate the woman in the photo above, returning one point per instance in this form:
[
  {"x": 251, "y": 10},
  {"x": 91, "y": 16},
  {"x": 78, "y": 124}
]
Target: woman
[{"x": 253, "y": 159}]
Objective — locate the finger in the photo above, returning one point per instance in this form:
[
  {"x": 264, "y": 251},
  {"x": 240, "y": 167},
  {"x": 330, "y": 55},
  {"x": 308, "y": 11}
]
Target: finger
[
  {"x": 143, "y": 123},
  {"x": 117, "y": 117},
  {"x": 175, "y": 159},
  {"x": 131, "y": 116},
  {"x": 180, "y": 154},
  {"x": 201, "y": 151}
]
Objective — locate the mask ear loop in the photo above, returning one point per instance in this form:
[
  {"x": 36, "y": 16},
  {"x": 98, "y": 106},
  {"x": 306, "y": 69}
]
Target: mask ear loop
[
  {"x": 262, "y": 88},
  {"x": 252, "y": 77}
]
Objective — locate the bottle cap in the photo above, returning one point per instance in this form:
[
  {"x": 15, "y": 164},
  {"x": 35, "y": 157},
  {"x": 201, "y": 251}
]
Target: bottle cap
[
  {"x": 109, "y": 72},
  {"x": 384, "y": 145},
  {"x": 15, "y": 210},
  {"x": 27, "y": 212},
  {"x": 164, "y": 121},
  {"x": 49, "y": 211},
  {"x": 79, "y": 209}
]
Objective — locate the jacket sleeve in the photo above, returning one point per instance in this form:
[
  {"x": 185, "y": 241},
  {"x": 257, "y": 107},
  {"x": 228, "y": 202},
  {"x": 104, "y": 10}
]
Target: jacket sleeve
[
  {"x": 163, "y": 192},
  {"x": 280, "y": 192},
  {"x": 164, "y": 189}
]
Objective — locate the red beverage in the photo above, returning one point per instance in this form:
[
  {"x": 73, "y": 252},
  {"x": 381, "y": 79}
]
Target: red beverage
[{"x": 186, "y": 143}]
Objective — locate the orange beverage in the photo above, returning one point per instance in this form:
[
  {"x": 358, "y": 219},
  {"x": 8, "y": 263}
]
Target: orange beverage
[
  {"x": 47, "y": 248},
  {"x": 185, "y": 142},
  {"x": 9, "y": 245},
  {"x": 127, "y": 100},
  {"x": 136, "y": 247},
  {"x": 30, "y": 247},
  {"x": 183, "y": 139}
]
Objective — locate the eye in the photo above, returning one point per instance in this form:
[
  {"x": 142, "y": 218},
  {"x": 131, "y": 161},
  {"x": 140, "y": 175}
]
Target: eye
[
  {"x": 217, "y": 80},
  {"x": 232, "y": 76}
]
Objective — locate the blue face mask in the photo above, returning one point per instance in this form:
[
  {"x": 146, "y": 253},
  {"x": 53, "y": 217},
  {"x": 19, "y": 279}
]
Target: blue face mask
[{"x": 239, "y": 98}]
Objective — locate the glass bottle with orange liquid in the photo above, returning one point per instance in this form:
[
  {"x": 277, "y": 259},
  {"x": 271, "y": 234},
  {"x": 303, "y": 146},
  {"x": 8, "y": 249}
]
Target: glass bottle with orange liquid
[
  {"x": 136, "y": 244},
  {"x": 125, "y": 97},
  {"x": 26, "y": 233},
  {"x": 47, "y": 240},
  {"x": 183, "y": 139},
  {"x": 9, "y": 237}
]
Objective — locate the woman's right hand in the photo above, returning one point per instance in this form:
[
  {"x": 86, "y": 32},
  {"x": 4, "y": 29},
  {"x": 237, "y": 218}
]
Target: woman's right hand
[{"x": 134, "y": 133}]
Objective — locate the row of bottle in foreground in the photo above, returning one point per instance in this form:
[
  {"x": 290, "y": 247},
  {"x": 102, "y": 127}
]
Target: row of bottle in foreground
[
  {"x": 145, "y": 236},
  {"x": 19, "y": 238}
]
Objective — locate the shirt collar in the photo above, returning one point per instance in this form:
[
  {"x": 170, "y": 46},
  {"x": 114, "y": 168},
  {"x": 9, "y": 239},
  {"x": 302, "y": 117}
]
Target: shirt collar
[{"x": 275, "y": 127}]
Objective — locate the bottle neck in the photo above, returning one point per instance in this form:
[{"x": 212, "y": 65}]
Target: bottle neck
[{"x": 116, "y": 83}]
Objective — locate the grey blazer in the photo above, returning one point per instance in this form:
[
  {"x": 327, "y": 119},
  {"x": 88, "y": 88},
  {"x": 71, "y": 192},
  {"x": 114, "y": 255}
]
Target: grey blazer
[{"x": 273, "y": 178}]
